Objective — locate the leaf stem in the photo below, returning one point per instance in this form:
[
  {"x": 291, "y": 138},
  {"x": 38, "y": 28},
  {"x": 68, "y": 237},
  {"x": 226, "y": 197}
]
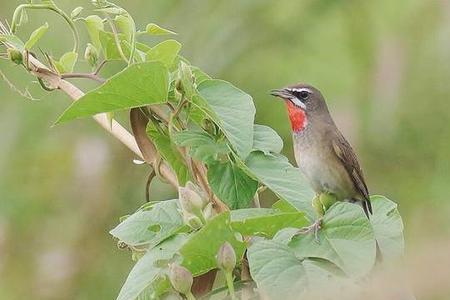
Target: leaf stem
[
  {"x": 230, "y": 285},
  {"x": 91, "y": 76},
  {"x": 190, "y": 296}
]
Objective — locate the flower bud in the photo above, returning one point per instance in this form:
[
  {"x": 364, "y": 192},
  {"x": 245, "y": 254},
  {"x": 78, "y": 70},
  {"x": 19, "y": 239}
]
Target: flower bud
[
  {"x": 91, "y": 55},
  {"x": 190, "y": 201},
  {"x": 226, "y": 257},
  {"x": 15, "y": 56},
  {"x": 180, "y": 278},
  {"x": 192, "y": 221},
  {"x": 208, "y": 211},
  {"x": 198, "y": 190}
]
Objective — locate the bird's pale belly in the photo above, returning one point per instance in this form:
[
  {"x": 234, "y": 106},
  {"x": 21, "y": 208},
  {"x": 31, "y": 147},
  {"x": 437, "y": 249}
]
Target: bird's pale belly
[{"x": 326, "y": 174}]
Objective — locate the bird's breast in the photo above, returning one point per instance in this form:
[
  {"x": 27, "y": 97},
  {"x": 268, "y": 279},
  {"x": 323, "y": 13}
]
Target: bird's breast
[{"x": 321, "y": 166}]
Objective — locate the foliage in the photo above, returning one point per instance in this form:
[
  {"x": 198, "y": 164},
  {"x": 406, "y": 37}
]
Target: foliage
[{"x": 210, "y": 126}]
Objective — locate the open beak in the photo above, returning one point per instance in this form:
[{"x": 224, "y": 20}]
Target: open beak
[{"x": 282, "y": 93}]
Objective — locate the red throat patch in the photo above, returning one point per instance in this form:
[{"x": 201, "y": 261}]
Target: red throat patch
[{"x": 297, "y": 117}]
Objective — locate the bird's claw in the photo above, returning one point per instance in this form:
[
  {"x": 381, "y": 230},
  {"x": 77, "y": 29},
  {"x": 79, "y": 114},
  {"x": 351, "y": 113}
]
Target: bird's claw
[{"x": 315, "y": 227}]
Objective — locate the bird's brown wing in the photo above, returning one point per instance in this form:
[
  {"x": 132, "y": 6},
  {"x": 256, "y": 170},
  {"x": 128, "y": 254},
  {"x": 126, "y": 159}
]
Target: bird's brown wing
[{"x": 346, "y": 154}]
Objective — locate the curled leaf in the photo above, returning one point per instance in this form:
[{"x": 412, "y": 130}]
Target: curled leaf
[{"x": 36, "y": 36}]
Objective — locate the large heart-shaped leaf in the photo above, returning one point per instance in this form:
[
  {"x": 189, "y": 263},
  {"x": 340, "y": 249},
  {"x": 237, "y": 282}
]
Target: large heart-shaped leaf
[
  {"x": 265, "y": 221},
  {"x": 280, "y": 274},
  {"x": 346, "y": 239},
  {"x": 388, "y": 227},
  {"x": 282, "y": 178},
  {"x": 231, "y": 184},
  {"x": 150, "y": 268},
  {"x": 150, "y": 226},
  {"x": 137, "y": 85},
  {"x": 266, "y": 139},
  {"x": 233, "y": 110}
]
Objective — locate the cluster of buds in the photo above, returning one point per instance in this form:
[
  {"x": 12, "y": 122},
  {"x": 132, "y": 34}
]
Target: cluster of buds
[{"x": 195, "y": 207}]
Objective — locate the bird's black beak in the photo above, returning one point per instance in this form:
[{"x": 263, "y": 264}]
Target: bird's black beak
[{"x": 282, "y": 93}]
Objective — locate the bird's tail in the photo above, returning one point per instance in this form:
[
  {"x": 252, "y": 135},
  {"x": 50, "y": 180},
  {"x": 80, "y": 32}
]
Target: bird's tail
[{"x": 367, "y": 207}]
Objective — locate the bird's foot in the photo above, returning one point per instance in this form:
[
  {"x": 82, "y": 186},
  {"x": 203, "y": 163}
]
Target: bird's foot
[{"x": 313, "y": 228}]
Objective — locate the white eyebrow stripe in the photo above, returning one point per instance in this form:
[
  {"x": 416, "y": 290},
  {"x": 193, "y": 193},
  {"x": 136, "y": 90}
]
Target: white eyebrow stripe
[{"x": 300, "y": 90}]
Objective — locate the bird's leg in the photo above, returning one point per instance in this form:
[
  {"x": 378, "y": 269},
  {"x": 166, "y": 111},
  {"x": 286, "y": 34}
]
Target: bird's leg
[
  {"x": 321, "y": 202},
  {"x": 314, "y": 227}
]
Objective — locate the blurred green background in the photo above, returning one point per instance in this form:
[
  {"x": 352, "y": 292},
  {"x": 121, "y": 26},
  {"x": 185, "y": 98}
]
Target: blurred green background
[{"x": 382, "y": 65}]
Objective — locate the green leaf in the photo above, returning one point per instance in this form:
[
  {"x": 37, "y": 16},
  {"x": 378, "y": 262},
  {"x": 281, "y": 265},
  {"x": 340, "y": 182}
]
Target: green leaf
[
  {"x": 154, "y": 29},
  {"x": 186, "y": 77},
  {"x": 67, "y": 62},
  {"x": 233, "y": 111},
  {"x": 199, "y": 252},
  {"x": 165, "y": 52},
  {"x": 265, "y": 221},
  {"x": 279, "y": 273},
  {"x": 232, "y": 185},
  {"x": 171, "y": 154},
  {"x": 282, "y": 178},
  {"x": 137, "y": 85},
  {"x": 346, "y": 239},
  {"x": 199, "y": 75},
  {"x": 125, "y": 26},
  {"x": 266, "y": 139},
  {"x": 150, "y": 268},
  {"x": 203, "y": 147},
  {"x": 109, "y": 46},
  {"x": 36, "y": 36},
  {"x": 150, "y": 226},
  {"x": 94, "y": 25},
  {"x": 387, "y": 225}
]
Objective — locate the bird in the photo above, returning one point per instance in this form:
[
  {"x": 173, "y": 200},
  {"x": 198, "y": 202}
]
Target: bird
[{"x": 322, "y": 153}]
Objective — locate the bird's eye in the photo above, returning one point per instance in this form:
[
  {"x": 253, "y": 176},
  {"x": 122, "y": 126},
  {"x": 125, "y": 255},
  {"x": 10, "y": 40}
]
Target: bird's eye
[{"x": 303, "y": 95}]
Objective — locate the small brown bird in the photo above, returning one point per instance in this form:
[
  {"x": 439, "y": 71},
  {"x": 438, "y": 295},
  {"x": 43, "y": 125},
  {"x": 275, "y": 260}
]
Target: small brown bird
[{"x": 321, "y": 151}]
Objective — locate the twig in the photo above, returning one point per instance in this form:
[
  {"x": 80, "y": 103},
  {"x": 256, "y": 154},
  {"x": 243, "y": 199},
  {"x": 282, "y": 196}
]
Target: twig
[
  {"x": 54, "y": 80},
  {"x": 100, "y": 66},
  {"x": 91, "y": 76}
]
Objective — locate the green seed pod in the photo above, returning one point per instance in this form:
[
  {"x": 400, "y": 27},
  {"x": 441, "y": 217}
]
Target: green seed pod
[
  {"x": 226, "y": 257},
  {"x": 91, "y": 55},
  {"x": 15, "y": 56},
  {"x": 180, "y": 278}
]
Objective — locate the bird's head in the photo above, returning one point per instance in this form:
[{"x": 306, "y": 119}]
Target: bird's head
[{"x": 302, "y": 101}]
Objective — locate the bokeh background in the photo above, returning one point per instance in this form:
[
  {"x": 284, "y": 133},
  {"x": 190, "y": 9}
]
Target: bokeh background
[{"x": 384, "y": 67}]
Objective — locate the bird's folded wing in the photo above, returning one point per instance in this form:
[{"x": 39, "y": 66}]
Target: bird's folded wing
[{"x": 345, "y": 153}]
